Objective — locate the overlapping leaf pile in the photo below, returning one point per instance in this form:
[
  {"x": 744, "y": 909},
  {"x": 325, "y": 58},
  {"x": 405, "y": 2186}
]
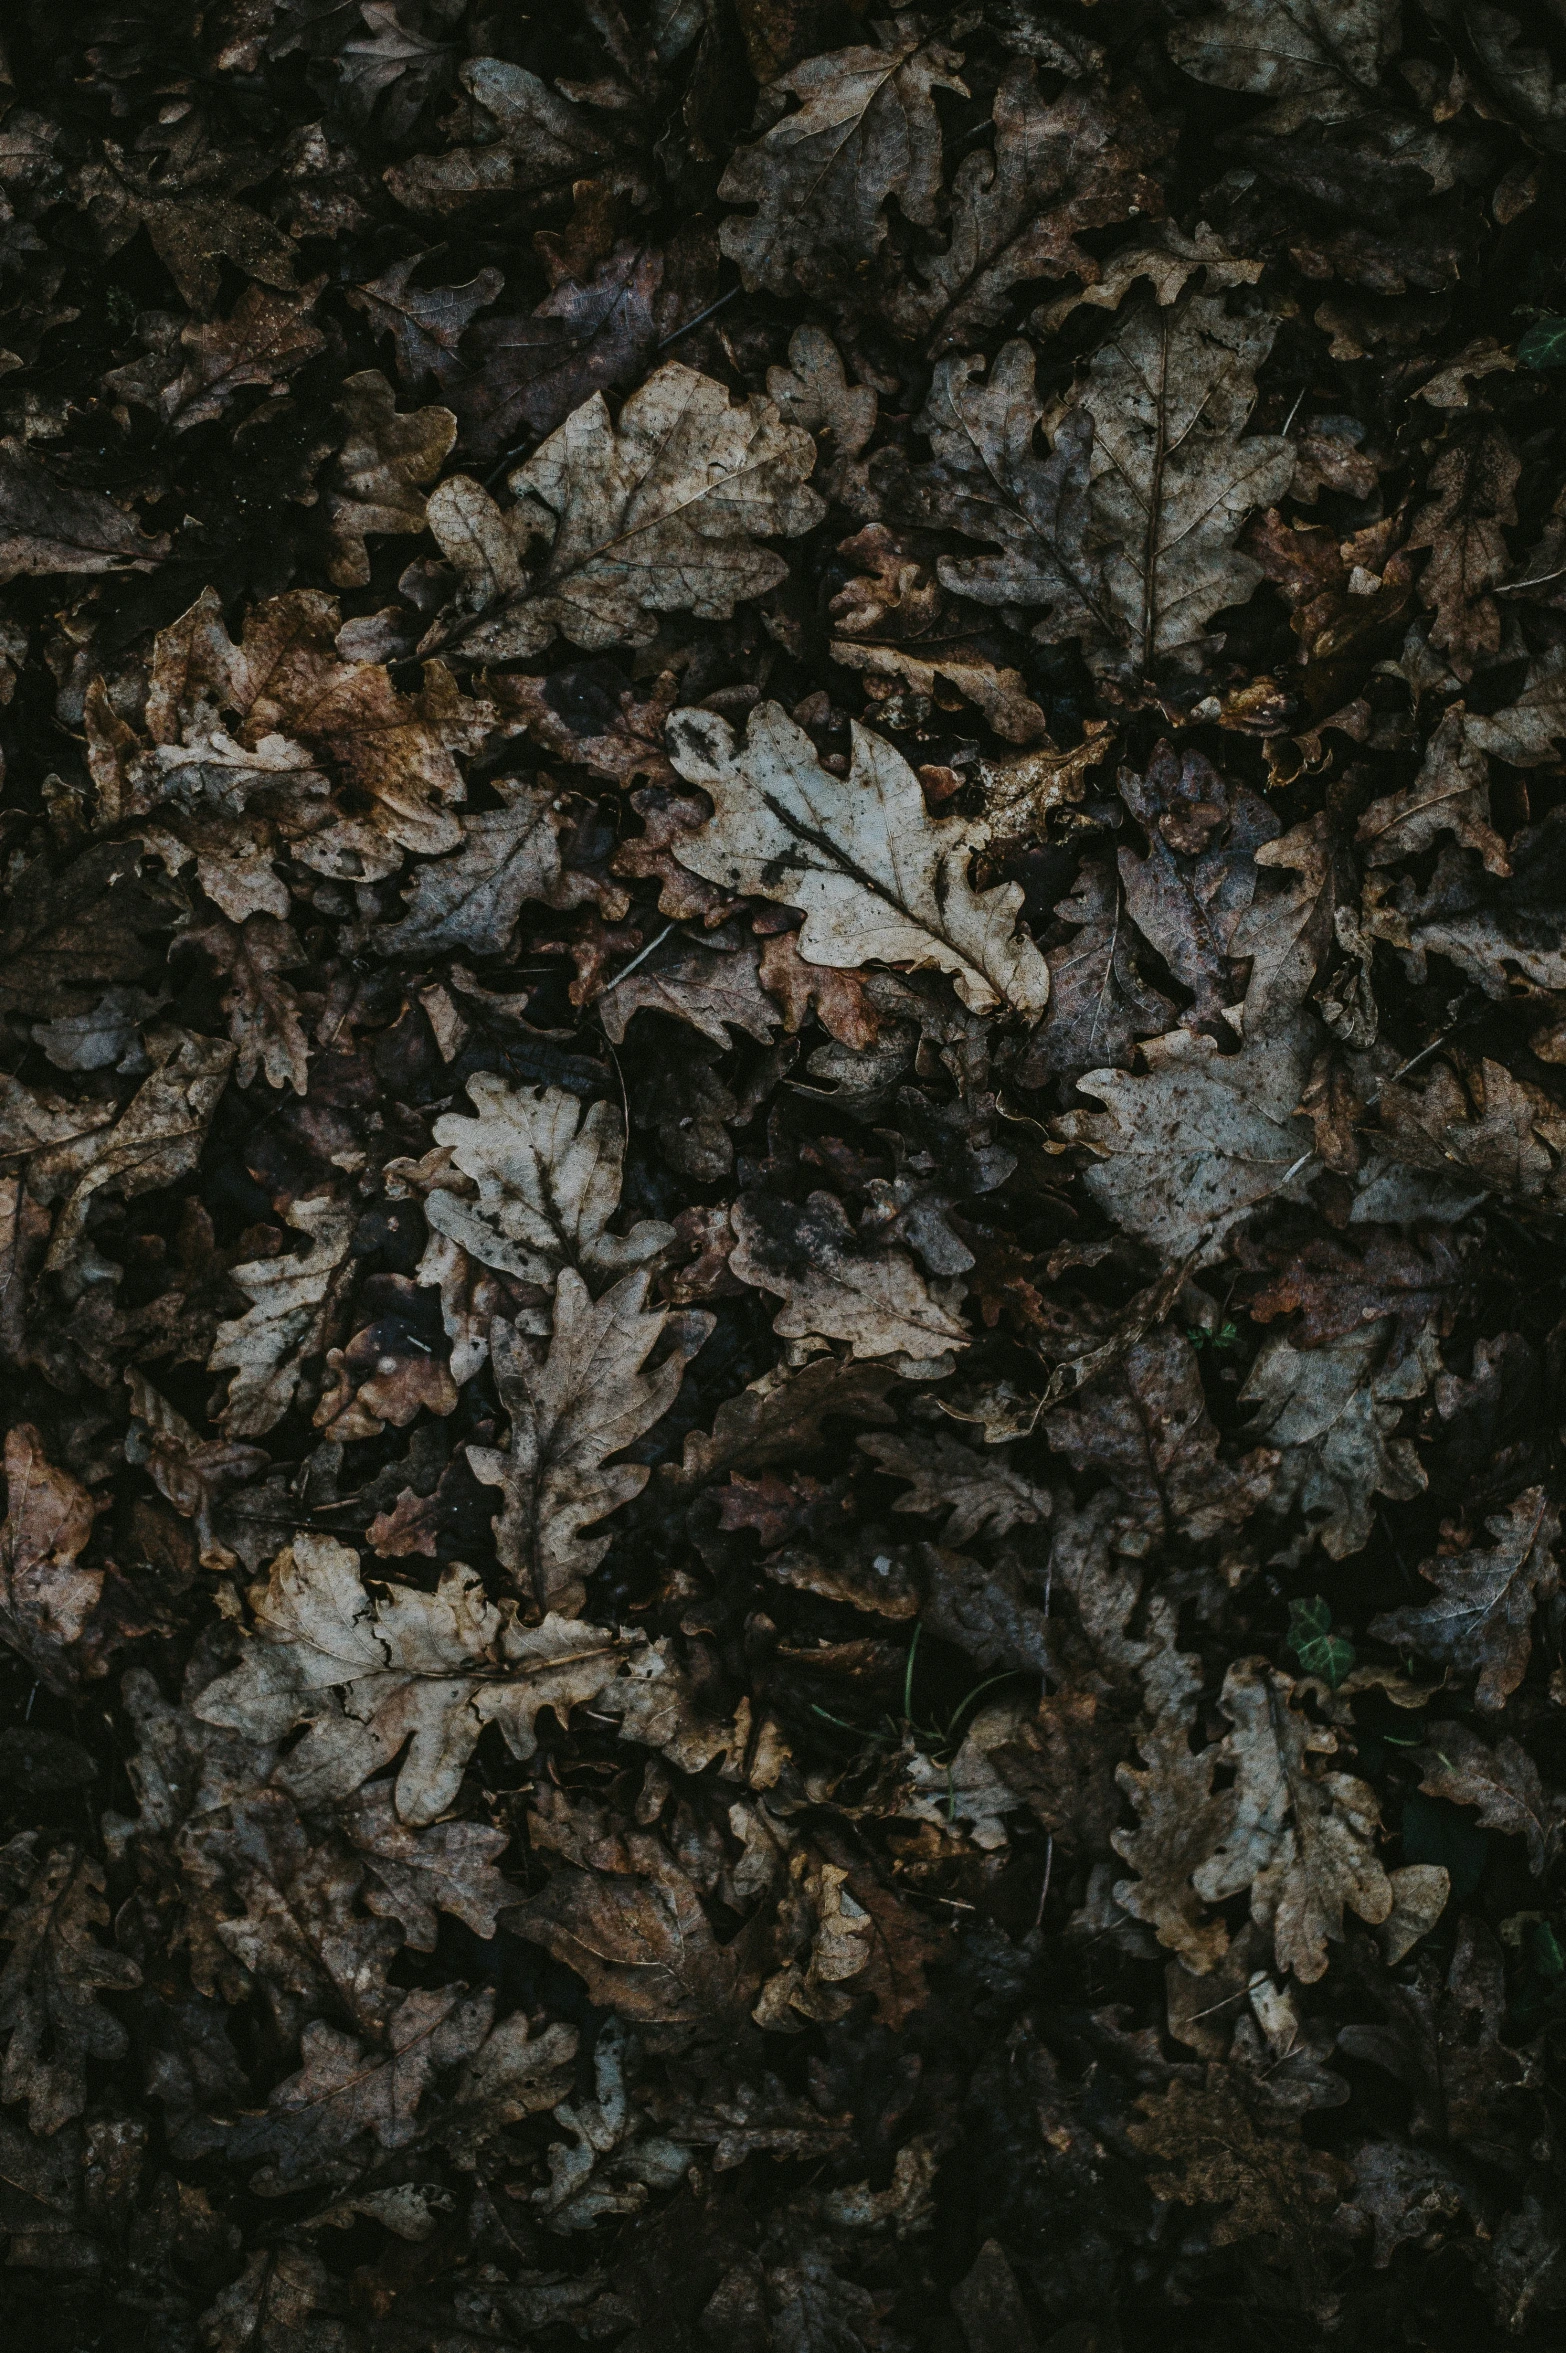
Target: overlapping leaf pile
[{"x": 782, "y": 1172}]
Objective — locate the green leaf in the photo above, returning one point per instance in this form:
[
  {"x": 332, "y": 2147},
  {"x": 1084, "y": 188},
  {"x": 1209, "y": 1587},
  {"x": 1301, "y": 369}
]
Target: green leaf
[
  {"x": 1544, "y": 345},
  {"x": 1318, "y": 1649}
]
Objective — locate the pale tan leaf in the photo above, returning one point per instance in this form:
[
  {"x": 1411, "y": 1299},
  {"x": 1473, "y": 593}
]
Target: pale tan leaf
[{"x": 877, "y": 876}]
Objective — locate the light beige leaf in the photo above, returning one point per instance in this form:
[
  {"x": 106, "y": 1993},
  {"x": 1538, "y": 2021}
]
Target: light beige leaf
[
  {"x": 1167, "y": 257},
  {"x": 1188, "y": 1149},
  {"x": 548, "y": 1177},
  {"x": 382, "y": 471},
  {"x": 1173, "y": 473},
  {"x": 407, "y": 1671},
  {"x": 660, "y": 512},
  {"x": 570, "y": 1410},
  {"x": 877, "y": 876},
  {"x": 266, "y": 1348}
]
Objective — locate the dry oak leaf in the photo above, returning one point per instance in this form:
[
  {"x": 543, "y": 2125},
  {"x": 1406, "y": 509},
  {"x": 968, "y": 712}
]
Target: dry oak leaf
[
  {"x": 1100, "y": 1007},
  {"x": 1300, "y": 1838},
  {"x": 1060, "y": 165},
  {"x": 814, "y": 391},
  {"x": 421, "y": 1672},
  {"x": 1471, "y": 485},
  {"x": 836, "y": 1286},
  {"x": 191, "y": 1471},
  {"x": 1185, "y": 1151},
  {"x": 470, "y": 901},
  {"x": 426, "y": 323},
  {"x": 1483, "y": 1620},
  {"x": 382, "y": 470},
  {"x": 988, "y": 481},
  {"x": 570, "y": 1410},
  {"x": 263, "y": 1012},
  {"x": 535, "y": 139},
  {"x": 866, "y": 130},
  {"x": 192, "y": 378},
  {"x": 876, "y": 875},
  {"x": 659, "y": 512},
  {"x": 1451, "y": 794},
  {"x": 1505, "y": 1130},
  {"x": 978, "y": 1492},
  {"x": 322, "y": 2124},
  {"x": 1181, "y": 1820},
  {"x": 1503, "y": 1782},
  {"x": 548, "y": 1175},
  {"x": 619, "y": 1911},
  {"x": 1333, "y": 1412},
  {"x": 1173, "y": 474},
  {"x": 898, "y": 623},
  {"x": 781, "y": 1417},
  {"x": 46, "y": 1596},
  {"x": 1318, "y": 60},
  {"x": 712, "y": 985},
  {"x": 157, "y": 1138},
  {"x": 297, "y": 701},
  {"x": 1167, "y": 257},
  {"x": 1255, "y": 2169},
  {"x": 1146, "y": 1423},
  {"x": 49, "y": 1989},
  {"x": 47, "y": 527},
  {"x": 267, "y": 1347},
  {"x": 272, "y": 2307}
]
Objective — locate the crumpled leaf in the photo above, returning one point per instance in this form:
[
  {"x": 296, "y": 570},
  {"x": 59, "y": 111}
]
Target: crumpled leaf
[
  {"x": 50, "y": 1988},
  {"x": 1503, "y": 1783},
  {"x": 421, "y": 1672},
  {"x": 838, "y": 1287},
  {"x": 866, "y": 129},
  {"x": 548, "y": 1175},
  {"x": 1489, "y": 1595},
  {"x": 267, "y": 1348},
  {"x": 382, "y": 469},
  {"x": 571, "y": 1410},
  {"x": 659, "y": 511},
  {"x": 46, "y": 1596},
  {"x": 877, "y": 877},
  {"x": 1333, "y": 1414}
]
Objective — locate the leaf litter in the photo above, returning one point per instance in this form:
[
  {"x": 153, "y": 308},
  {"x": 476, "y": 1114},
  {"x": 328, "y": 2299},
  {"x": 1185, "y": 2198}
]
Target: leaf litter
[{"x": 782, "y": 1168}]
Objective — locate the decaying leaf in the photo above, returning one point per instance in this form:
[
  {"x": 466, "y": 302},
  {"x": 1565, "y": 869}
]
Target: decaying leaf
[
  {"x": 658, "y": 511},
  {"x": 1489, "y": 1595},
  {"x": 416, "y": 1672}
]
